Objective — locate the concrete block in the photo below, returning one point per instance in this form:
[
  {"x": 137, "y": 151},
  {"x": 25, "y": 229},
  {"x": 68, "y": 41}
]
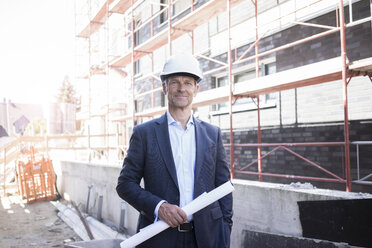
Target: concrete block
[
  {"x": 107, "y": 243},
  {"x": 254, "y": 239}
]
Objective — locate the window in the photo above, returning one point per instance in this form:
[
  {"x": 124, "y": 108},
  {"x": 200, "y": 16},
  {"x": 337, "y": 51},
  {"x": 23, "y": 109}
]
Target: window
[
  {"x": 164, "y": 14},
  {"x": 220, "y": 82},
  {"x": 177, "y": 8},
  {"x": 137, "y": 34},
  {"x": 238, "y": 78},
  {"x": 137, "y": 67},
  {"x": 246, "y": 103},
  {"x": 267, "y": 70},
  {"x": 242, "y": 77},
  {"x": 180, "y": 6}
]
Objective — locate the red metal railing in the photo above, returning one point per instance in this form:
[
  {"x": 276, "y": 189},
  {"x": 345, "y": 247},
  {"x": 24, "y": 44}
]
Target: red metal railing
[
  {"x": 341, "y": 26},
  {"x": 284, "y": 146}
]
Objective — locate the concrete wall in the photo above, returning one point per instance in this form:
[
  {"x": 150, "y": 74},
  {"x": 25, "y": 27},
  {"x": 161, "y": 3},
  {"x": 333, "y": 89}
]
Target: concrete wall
[
  {"x": 272, "y": 208},
  {"x": 266, "y": 207},
  {"x": 73, "y": 179}
]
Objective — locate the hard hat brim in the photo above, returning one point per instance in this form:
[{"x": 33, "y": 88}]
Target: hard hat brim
[{"x": 164, "y": 77}]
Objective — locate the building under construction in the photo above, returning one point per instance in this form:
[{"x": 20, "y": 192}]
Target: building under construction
[{"x": 289, "y": 82}]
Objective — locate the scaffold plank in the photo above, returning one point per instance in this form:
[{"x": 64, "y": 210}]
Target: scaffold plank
[
  {"x": 148, "y": 113},
  {"x": 97, "y": 21},
  {"x": 210, "y": 97},
  {"x": 316, "y": 73},
  {"x": 363, "y": 65},
  {"x": 120, "y": 6}
]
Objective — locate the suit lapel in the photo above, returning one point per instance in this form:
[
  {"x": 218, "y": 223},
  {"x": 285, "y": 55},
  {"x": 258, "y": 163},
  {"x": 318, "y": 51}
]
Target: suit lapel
[
  {"x": 162, "y": 136},
  {"x": 200, "y": 147}
]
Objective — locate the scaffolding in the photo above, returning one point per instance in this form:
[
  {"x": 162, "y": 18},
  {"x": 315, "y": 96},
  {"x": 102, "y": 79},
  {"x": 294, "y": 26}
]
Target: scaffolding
[
  {"x": 92, "y": 37},
  {"x": 200, "y": 12}
]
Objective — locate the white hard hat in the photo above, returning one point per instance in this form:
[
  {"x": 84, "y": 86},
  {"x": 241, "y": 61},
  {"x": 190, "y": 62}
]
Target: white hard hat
[{"x": 182, "y": 63}]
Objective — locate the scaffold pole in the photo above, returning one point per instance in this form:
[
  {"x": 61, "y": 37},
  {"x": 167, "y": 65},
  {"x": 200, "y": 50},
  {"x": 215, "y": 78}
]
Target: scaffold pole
[{"x": 344, "y": 88}]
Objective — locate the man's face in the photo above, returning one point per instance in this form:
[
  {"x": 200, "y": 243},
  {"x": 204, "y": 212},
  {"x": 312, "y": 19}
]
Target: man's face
[{"x": 181, "y": 91}]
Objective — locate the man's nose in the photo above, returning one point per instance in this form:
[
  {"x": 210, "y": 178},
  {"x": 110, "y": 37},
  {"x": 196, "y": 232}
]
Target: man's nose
[{"x": 181, "y": 87}]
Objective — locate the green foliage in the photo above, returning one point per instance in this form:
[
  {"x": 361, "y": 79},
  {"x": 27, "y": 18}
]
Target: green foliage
[
  {"x": 36, "y": 127},
  {"x": 66, "y": 93}
]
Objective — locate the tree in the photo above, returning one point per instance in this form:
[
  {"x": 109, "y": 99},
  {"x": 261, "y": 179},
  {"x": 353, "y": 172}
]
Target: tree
[
  {"x": 36, "y": 127},
  {"x": 66, "y": 92}
]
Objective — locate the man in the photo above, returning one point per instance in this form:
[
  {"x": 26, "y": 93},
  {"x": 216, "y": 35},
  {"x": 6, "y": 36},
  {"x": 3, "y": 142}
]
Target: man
[{"x": 179, "y": 157}]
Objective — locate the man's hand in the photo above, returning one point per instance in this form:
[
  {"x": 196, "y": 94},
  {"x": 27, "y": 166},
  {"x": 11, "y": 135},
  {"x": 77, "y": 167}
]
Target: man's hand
[{"x": 172, "y": 214}]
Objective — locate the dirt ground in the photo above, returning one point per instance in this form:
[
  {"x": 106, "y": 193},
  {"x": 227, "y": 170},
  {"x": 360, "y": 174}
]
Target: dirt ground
[{"x": 32, "y": 225}]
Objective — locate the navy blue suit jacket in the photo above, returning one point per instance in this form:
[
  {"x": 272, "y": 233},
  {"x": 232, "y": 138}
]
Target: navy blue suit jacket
[{"x": 149, "y": 156}]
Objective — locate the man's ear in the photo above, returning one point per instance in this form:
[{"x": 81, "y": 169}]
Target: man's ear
[
  {"x": 165, "y": 90},
  {"x": 196, "y": 89}
]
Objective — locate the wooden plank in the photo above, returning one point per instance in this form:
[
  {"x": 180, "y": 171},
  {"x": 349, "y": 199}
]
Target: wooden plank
[
  {"x": 147, "y": 113},
  {"x": 316, "y": 73},
  {"x": 121, "y": 61},
  {"x": 363, "y": 65},
  {"x": 10, "y": 144},
  {"x": 121, "y": 118},
  {"x": 97, "y": 21},
  {"x": 90, "y": 29},
  {"x": 32, "y": 139},
  {"x": 120, "y": 6},
  {"x": 10, "y": 186},
  {"x": 82, "y": 148},
  {"x": 9, "y": 157},
  {"x": 80, "y": 136}
]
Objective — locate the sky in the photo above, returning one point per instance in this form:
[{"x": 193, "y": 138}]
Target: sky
[{"x": 36, "y": 49}]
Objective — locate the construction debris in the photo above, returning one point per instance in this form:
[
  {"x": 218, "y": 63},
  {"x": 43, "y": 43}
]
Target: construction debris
[
  {"x": 99, "y": 230},
  {"x": 32, "y": 225},
  {"x": 89, "y": 232},
  {"x": 299, "y": 185}
]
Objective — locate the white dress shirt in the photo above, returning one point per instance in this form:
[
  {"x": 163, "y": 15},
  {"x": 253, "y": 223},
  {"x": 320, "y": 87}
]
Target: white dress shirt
[{"x": 184, "y": 153}]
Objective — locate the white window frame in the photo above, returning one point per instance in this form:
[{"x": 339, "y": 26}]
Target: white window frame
[
  {"x": 266, "y": 101},
  {"x": 174, "y": 15}
]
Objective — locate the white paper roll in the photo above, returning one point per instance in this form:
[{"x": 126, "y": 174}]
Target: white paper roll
[{"x": 197, "y": 204}]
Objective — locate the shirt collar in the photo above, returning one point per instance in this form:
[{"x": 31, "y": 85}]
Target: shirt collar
[{"x": 171, "y": 121}]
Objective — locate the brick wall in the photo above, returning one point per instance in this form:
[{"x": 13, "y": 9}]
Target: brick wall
[
  {"x": 358, "y": 40},
  {"x": 283, "y": 162}
]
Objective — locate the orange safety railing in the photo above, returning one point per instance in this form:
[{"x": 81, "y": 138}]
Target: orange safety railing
[{"x": 36, "y": 178}]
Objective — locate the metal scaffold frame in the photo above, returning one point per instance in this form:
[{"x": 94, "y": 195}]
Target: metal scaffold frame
[
  {"x": 99, "y": 21},
  {"x": 337, "y": 69}
]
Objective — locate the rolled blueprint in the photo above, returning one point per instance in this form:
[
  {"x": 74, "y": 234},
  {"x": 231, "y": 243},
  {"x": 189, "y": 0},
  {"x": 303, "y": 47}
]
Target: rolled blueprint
[{"x": 197, "y": 204}]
